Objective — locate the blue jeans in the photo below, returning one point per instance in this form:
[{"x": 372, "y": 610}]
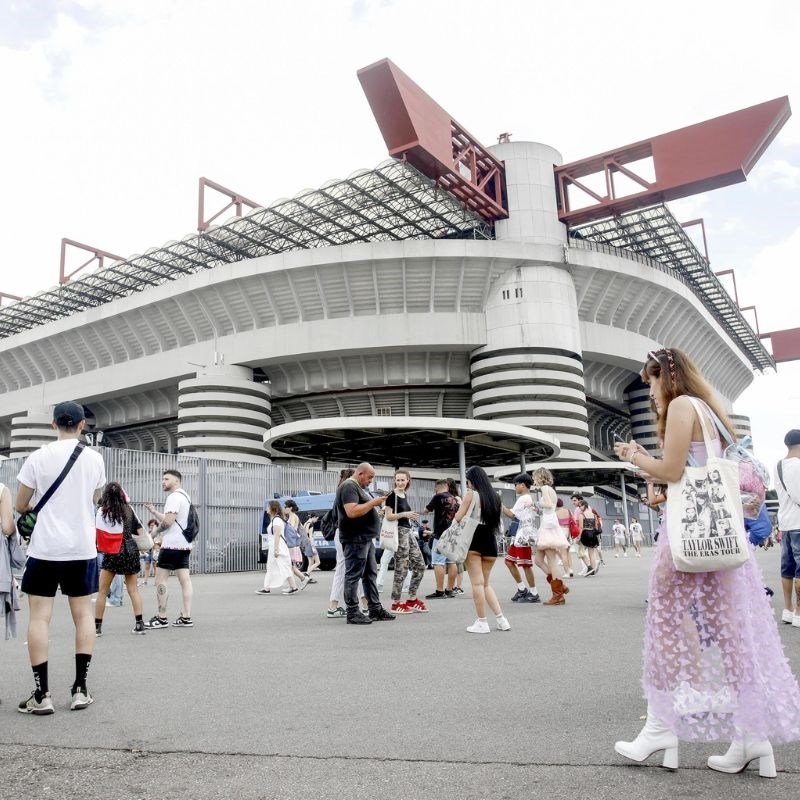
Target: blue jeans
[
  {"x": 790, "y": 555},
  {"x": 360, "y": 565},
  {"x": 115, "y": 590}
]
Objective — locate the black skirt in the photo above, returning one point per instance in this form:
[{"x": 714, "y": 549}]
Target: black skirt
[{"x": 126, "y": 562}]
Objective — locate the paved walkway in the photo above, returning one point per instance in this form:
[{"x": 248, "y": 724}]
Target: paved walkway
[{"x": 267, "y": 698}]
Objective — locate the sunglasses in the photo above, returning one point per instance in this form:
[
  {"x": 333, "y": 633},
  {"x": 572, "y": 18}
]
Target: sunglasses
[{"x": 665, "y": 351}]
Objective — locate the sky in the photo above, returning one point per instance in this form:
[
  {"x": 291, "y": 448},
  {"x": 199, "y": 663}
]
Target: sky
[{"x": 114, "y": 109}]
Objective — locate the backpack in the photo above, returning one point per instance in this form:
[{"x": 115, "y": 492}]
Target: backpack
[
  {"x": 192, "y": 523},
  {"x": 328, "y": 524},
  {"x": 290, "y": 535}
]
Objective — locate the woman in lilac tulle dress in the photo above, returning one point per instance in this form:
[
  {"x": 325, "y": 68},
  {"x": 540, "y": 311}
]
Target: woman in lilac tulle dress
[{"x": 714, "y": 666}]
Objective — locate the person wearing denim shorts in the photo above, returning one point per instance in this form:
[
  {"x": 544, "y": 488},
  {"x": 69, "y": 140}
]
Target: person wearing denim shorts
[
  {"x": 787, "y": 482},
  {"x": 443, "y": 505}
]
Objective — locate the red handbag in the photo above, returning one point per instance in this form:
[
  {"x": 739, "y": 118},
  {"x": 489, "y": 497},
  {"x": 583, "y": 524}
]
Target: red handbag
[{"x": 109, "y": 535}]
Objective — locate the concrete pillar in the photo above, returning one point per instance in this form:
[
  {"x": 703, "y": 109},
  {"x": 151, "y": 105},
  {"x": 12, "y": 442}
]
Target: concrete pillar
[
  {"x": 223, "y": 413},
  {"x": 531, "y": 190},
  {"x": 531, "y": 372},
  {"x": 31, "y": 431},
  {"x": 644, "y": 427}
]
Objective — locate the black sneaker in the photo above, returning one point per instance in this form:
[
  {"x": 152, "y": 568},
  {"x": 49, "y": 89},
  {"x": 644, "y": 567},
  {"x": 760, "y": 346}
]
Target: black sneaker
[
  {"x": 381, "y": 615},
  {"x": 138, "y": 628},
  {"x": 457, "y": 590},
  {"x": 358, "y": 618},
  {"x": 518, "y": 595},
  {"x": 154, "y": 623},
  {"x": 450, "y": 593},
  {"x": 435, "y": 595},
  {"x": 529, "y": 597},
  {"x": 98, "y": 629}
]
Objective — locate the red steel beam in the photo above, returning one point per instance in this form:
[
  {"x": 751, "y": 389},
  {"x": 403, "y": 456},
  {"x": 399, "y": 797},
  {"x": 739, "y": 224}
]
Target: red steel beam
[
  {"x": 418, "y": 130},
  {"x": 97, "y": 254},
  {"x": 709, "y": 155},
  {"x": 785, "y": 344},
  {"x": 236, "y": 201}
]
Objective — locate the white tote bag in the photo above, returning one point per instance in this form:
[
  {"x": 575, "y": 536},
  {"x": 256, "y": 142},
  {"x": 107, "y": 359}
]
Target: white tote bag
[
  {"x": 390, "y": 537},
  {"x": 704, "y": 513},
  {"x": 455, "y": 541}
]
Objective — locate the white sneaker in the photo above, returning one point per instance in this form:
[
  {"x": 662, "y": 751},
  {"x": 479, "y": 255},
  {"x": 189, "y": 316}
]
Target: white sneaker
[
  {"x": 796, "y": 621},
  {"x": 638, "y": 555},
  {"x": 479, "y": 626},
  {"x": 305, "y": 582},
  {"x": 624, "y": 555},
  {"x": 503, "y": 624},
  {"x": 787, "y": 616},
  {"x": 616, "y": 555}
]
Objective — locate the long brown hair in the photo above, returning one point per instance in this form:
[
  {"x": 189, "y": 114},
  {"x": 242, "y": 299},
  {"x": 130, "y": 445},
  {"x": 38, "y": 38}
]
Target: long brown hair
[{"x": 680, "y": 375}]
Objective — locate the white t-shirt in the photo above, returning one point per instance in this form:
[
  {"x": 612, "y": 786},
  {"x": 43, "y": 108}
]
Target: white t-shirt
[
  {"x": 619, "y": 530},
  {"x": 788, "y": 511},
  {"x": 177, "y": 503},
  {"x": 65, "y": 528},
  {"x": 636, "y": 530}
]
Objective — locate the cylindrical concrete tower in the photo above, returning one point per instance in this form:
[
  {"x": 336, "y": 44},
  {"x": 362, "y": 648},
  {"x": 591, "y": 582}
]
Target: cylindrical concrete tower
[
  {"x": 223, "y": 413},
  {"x": 30, "y": 432},
  {"x": 530, "y": 372},
  {"x": 741, "y": 425},
  {"x": 643, "y": 421},
  {"x": 531, "y": 188}
]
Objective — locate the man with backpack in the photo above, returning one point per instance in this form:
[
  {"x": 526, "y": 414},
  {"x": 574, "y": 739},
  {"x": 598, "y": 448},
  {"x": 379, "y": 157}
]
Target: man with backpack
[{"x": 178, "y": 527}]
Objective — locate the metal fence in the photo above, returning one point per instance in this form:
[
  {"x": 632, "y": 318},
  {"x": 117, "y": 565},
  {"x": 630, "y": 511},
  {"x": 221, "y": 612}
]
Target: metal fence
[{"x": 229, "y": 497}]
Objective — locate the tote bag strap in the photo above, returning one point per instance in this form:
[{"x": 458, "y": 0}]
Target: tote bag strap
[{"x": 699, "y": 407}]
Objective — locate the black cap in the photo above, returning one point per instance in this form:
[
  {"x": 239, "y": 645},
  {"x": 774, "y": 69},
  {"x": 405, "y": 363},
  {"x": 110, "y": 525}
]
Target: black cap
[
  {"x": 68, "y": 414},
  {"x": 792, "y": 438}
]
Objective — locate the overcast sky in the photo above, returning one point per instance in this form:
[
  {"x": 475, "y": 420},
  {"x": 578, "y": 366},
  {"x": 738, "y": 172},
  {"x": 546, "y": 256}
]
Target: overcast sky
[{"x": 114, "y": 109}]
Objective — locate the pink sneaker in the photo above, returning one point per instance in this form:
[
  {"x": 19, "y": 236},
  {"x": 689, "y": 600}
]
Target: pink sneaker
[
  {"x": 417, "y": 606},
  {"x": 401, "y": 608}
]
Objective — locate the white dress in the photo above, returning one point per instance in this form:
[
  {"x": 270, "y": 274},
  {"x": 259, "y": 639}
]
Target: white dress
[{"x": 278, "y": 569}]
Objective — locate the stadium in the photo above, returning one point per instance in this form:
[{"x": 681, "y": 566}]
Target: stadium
[{"x": 458, "y": 303}]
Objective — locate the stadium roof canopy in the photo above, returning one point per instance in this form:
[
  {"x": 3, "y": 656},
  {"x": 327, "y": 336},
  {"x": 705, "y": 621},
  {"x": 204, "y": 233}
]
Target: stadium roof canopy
[
  {"x": 655, "y": 233},
  {"x": 425, "y": 442},
  {"x": 389, "y": 203}
]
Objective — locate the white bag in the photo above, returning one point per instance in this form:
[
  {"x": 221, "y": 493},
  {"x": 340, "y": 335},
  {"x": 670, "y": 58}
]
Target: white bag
[
  {"x": 455, "y": 541},
  {"x": 704, "y": 513},
  {"x": 390, "y": 538}
]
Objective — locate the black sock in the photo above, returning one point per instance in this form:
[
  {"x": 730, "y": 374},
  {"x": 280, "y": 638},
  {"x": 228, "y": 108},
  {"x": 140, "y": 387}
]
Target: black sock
[
  {"x": 97, "y": 622},
  {"x": 40, "y": 678},
  {"x": 138, "y": 617},
  {"x": 82, "y": 661}
]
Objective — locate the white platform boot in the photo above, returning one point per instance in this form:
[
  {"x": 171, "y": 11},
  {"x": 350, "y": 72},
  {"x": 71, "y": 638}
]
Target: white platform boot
[
  {"x": 741, "y": 753},
  {"x": 653, "y": 737}
]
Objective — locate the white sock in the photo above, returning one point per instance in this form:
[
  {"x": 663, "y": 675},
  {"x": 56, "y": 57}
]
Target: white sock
[
  {"x": 521, "y": 586},
  {"x": 533, "y": 590},
  {"x": 481, "y": 619},
  {"x": 499, "y": 616}
]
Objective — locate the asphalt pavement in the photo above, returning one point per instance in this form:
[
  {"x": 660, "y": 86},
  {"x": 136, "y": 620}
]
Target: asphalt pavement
[{"x": 268, "y": 698}]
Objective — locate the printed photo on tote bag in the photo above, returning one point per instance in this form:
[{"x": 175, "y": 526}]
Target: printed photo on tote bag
[
  {"x": 704, "y": 513},
  {"x": 455, "y": 541}
]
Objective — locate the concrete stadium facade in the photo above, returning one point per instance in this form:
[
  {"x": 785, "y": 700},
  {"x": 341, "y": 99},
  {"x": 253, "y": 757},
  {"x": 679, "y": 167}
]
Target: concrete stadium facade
[{"x": 531, "y": 327}]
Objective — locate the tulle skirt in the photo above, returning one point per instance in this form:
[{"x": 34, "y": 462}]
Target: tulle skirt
[
  {"x": 551, "y": 534},
  {"x": 714, "y": 666}
]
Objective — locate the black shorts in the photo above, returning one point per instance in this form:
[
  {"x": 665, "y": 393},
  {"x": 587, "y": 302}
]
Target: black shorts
[
  {"x": 173, "y": 559},
  {"x": 75, "y": 578}
]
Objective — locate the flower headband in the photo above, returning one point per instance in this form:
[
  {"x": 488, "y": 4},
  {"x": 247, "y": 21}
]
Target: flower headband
[{"x": 670, "y": 360}]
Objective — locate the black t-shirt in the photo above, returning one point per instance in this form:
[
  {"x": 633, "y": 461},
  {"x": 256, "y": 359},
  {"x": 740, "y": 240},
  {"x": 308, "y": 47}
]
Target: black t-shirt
[
  {"x": 444, "y": 506},
  {"x": 359, "y": 529},
  {"x": 402, "y": 506}
]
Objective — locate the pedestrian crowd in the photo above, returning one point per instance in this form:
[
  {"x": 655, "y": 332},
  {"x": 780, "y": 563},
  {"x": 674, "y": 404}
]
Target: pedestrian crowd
[{"x": 713, "y": 665}]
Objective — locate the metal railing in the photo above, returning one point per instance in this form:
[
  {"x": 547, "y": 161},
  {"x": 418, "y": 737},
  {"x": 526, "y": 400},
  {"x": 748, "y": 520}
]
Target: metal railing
[{"x": 228, "y": 495}]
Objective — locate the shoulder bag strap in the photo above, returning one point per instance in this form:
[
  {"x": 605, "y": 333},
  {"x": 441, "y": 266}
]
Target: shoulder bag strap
[
  {"x": 783, "y": 483},
  {"x": 703, "y": 427},
  {"x": 60, "y": 479}
]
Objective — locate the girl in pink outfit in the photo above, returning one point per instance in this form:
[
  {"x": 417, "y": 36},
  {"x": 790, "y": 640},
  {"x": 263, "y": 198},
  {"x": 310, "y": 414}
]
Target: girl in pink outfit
[{"x": 714, "y": 666}]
